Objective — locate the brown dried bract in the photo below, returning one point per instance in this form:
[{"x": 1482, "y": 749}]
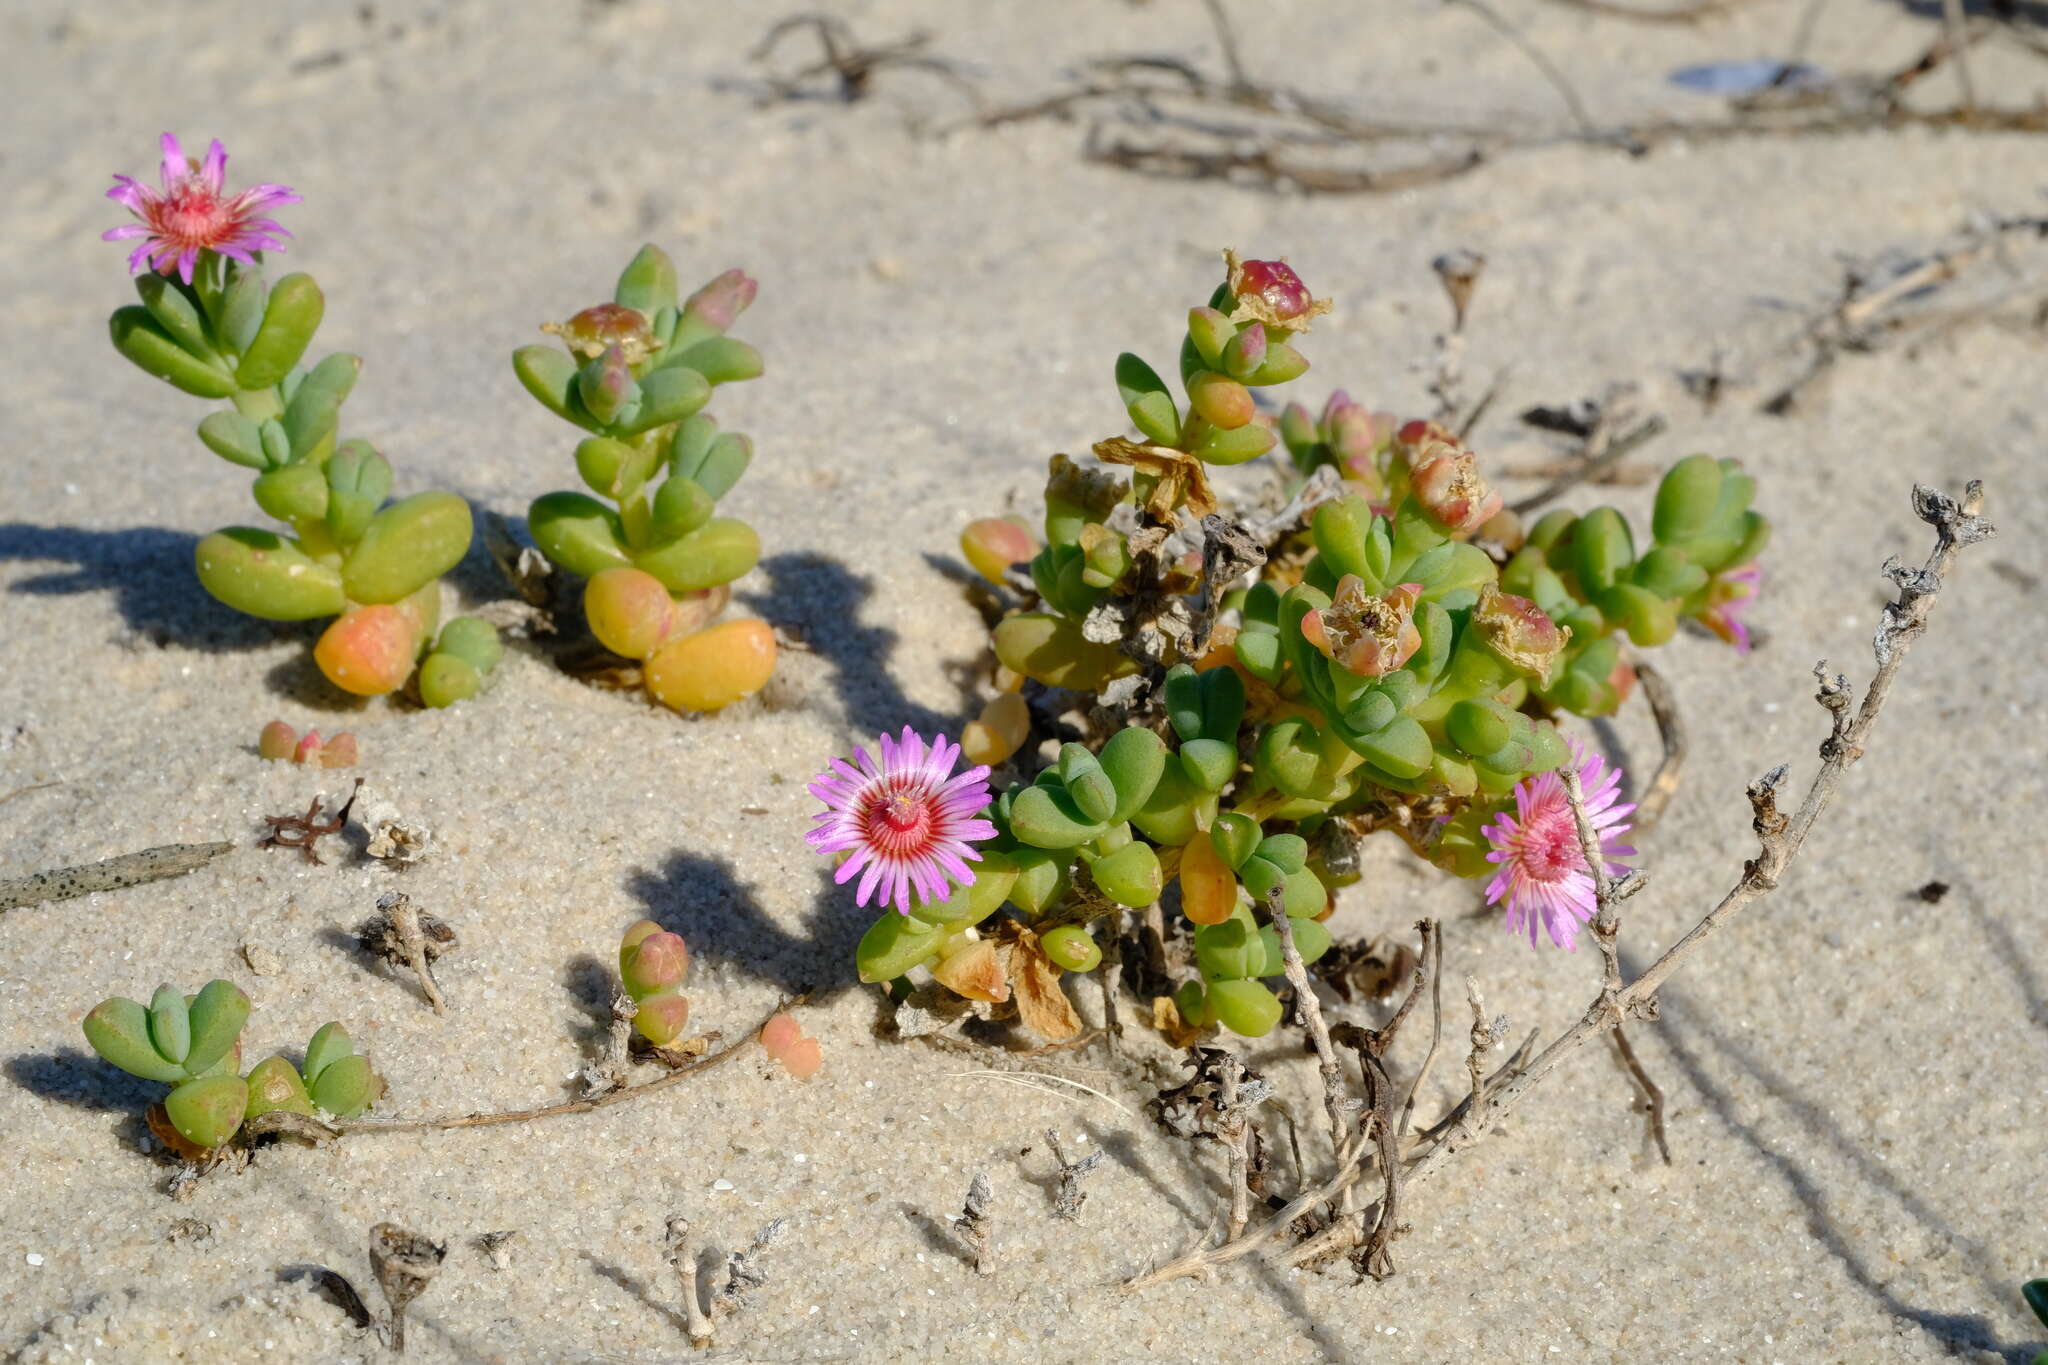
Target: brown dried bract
[
  {"x": 1182, "y": 481},
  {"x": 1035, "y": 987}
]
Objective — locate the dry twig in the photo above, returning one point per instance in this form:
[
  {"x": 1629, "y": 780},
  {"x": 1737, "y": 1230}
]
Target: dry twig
[
  {"x": 1068, "y": 1201},
  {"x": 681, "y": 1073},
  {"x": 1781, "y": 837},
  {"x": 130, "y": 869},
  {"x": 977, "y": 1221},
  {"x": 401, "y": 932}
]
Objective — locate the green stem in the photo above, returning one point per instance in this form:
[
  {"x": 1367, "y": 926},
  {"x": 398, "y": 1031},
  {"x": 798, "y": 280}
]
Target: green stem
[{"x": 259, "y": 405}]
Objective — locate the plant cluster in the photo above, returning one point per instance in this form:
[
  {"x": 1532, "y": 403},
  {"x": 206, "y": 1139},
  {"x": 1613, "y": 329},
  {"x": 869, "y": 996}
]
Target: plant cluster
[
  {"x": 635, "y": 373},
  {"x": 193, "y": 1043},
  {"x": 211, "y": 325},
  {"x": 1394, "y": 659}
]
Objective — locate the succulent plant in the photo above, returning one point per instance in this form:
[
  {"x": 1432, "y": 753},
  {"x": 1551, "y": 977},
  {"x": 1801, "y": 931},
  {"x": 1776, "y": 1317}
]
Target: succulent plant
[
  {"x": 635, "y": 374},
  {"x": 211, "y": 325},
  {"x": 193, "y": 1044},
  {"x": 652, "y": 964},
  {"x": 1397, "y": 663}
]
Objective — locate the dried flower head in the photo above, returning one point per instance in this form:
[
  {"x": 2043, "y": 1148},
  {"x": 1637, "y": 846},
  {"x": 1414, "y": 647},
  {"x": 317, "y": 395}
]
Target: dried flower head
[
  {"x": 1450, "y": 488},
  {"x": 907, "y": 822},
  {"x": 1270, "y": 292},
  {"x": 598, "y": 328},
  {"x": 1543, "y": 876},
  {"x": 1371, "y": 636},
  {"x": 193, "y": 213},
  {"x": 1729, "y": 596},
  {"x": 1418, "y": 441},
  {"x": 1520, "y": 632}
]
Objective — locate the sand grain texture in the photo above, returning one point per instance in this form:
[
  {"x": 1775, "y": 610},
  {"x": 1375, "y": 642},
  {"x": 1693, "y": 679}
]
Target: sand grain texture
[{"x": 1855, "y": 1077}]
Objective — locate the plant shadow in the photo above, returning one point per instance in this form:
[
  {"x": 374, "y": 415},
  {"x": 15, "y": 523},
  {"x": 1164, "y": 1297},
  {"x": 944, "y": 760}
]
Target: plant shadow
[
  {"x": 819, "y": 602},
  {"x": 80, "y": 1080},
  {"x": 638, "y": 1288},
  {"x": 702, "y": 899},
  {"x": 1687, "y": 1034},
  {"x": 149, "y": 571},
  {"x": 589, "y": 982}
]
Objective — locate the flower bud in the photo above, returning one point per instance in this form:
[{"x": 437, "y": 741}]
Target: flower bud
[
  {"x": 1371, "y": 636},
  {"x": 607, "y": 386},
  {"x": 1520, "y": 632},
  {"x": 307, "y": 750},
  {"x": 1456, "y": 497},
  {"x": 1416, "y": 441},
  {"x": 720, "y": 302}
]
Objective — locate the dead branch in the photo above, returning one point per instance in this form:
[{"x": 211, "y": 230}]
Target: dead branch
[
  {"x": 1068, "y": 1201},
  {"x": 365, "y": 1127},
  {"x": 977, "y": 1222},
  {"x": 400, "y": 932},
  {"x": 1663, "y": 784},
  {"x": 112, "y": 874},
  {"x": 1780, "y": 837}
]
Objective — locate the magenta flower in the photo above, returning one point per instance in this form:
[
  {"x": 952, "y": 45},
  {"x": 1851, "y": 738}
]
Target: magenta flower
[
  {"x": 907, "y": 822},
  {"x": 1728, "y": 596},
  {"x": 1543, "y": 875},
  {"x": 192, "y": 213}
]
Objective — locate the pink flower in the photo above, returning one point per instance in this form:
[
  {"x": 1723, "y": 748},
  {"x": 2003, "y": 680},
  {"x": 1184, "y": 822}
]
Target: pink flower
[
  {"x": 192, "y": 213},
  {"x": 908, "y": 824},
  {"x": 1729, "y": 595},
  {"x": 1543, "y": 875}
]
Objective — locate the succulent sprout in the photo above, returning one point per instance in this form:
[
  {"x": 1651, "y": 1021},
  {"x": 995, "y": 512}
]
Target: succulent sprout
[
  {"x": 193, "y": 1044},
  {"x": 652, "y": 964}
]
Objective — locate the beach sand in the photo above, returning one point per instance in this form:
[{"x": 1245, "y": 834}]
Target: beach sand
[{"x": 1855, "y": 1075}]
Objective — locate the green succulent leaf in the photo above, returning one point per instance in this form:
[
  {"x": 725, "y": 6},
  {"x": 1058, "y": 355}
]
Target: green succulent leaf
[
  {"x": 208, "y": 1111},
  {"x": 291, "y": 316},
  {"x": 407, "y": 546},
  {"x": 263, "y": 574},
  {"x": 142, "y": 339},
  {"x": 119, "y": 1031},
  {"x": 218, "y": 1013}
]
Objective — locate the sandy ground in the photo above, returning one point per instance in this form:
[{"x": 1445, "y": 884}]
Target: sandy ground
[{"x": 1856, "y": 1076}]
